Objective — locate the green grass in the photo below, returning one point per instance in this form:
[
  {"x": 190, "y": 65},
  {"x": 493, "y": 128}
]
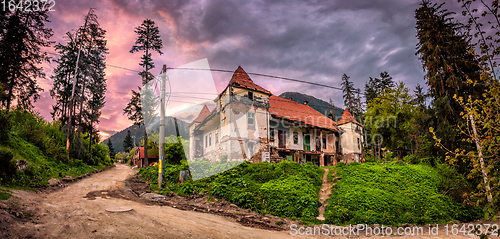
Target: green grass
[
  {"x": 286, "y": 189},
  {"x": 4, "y": 194},
  {"x": 391, "y": 194}
]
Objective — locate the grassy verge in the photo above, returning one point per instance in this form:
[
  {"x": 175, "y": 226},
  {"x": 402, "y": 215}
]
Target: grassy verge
[
  {"x": 286, "y": 189},
  {"x": 392, "y": 194}
]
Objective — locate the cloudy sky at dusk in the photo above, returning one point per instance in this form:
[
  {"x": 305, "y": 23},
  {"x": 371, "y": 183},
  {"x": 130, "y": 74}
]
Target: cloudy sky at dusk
[{"x": 315, "y": 41}]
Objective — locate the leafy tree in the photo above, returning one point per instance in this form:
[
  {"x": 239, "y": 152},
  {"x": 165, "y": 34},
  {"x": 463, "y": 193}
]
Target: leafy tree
[
  {"x": 488, "y": 41},
  {"x": 390, "y": 115},
  {"x": 376, "y": 85},
  {"x": 111, "y": 149},
  {"x": 148, "y": 39},
  {"x": 22, "y": 37},
  {"x": 351, "y": 96},
  {"x": 127, "y": 142}
]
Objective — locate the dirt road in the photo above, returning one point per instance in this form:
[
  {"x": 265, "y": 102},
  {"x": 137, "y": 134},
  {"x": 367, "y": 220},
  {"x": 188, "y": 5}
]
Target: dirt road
[
  {"x": 67, "y": 213},
  {"x": 70, "y": 213}
]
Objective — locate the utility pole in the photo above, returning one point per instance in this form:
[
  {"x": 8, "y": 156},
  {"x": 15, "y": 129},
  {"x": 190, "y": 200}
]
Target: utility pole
[
  {"x": 161, "y": 146},
  {"x": 74, "y": 84}
]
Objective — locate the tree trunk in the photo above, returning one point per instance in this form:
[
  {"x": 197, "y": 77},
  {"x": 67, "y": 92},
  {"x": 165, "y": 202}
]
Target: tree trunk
[{"x": 481, "y": 160}]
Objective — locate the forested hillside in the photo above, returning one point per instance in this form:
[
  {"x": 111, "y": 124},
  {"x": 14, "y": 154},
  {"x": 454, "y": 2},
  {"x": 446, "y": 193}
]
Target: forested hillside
[{"x": 315, "y": 103}]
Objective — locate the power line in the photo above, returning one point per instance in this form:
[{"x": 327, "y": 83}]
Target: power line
[
  {"x": 264, "y": 75},
  {"x": 228, "y": 71}
]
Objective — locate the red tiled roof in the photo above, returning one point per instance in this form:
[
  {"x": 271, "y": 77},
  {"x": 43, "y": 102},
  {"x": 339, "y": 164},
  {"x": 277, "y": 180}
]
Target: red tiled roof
[
  {"x": 242, "y": 80},
  {"x": 203, "y": 113},
  {"x": 284, "y": 108},
  {"x": 347, "y": 117}
]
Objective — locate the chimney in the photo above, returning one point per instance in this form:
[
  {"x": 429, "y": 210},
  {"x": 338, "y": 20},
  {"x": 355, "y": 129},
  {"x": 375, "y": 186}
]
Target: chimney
[
  {"x": 305, "y": 102},
  {"x": 290, "y": 98}
]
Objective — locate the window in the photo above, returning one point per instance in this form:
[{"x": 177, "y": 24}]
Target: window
[
  {"x": 210, "y": 139},
  {"x": 295, "y": 138},
  {"x": 216, "y": 136},
  {"x": 250, "y": 148},
  {"x": 251, "y": 118},
  {"x": 324, "y": 143},
  {"x": 359, "y": 144},
  {"x": 206, "y": 141},
  {"x": 271, "y": 134},
  {"x": 250, "y": 95}
]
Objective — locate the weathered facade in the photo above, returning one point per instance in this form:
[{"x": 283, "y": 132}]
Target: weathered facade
[{"x": 249, "y": 123}]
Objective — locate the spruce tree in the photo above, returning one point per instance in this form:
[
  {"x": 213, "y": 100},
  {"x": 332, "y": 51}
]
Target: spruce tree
[
  {"x": 111, "y": 149},
  {"x": 127, "y": 142},
  {"x": 351, "y": 96},
  {"x": 443, "y": 48},
  {"x": 22, "y": 37}
]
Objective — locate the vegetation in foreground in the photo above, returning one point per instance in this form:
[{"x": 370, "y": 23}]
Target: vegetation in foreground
[
  {"x": 394, "y": 194},
  {"x": 285, "y": 189},
  {"x": 34, "y": 151}
]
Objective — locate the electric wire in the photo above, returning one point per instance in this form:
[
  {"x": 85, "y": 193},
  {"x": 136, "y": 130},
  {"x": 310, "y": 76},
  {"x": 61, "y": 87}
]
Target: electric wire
[{"x": 228, "y": 71}]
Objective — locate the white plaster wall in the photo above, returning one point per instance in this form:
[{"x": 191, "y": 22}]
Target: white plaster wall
[{"x": 349, "y": 139}]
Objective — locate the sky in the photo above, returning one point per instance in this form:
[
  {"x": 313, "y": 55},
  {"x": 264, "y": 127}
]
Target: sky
[{"x": 315, "y": 41}]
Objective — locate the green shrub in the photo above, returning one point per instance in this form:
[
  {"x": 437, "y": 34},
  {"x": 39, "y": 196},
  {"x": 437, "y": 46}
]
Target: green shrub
[
  {"x": 7, "y": 163},
  {"x": 411, "y": 158},
  {"x": 388, "y": 156}
]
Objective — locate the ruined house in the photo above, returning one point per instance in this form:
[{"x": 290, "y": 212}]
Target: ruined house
[{"x": 250, "y": 123}]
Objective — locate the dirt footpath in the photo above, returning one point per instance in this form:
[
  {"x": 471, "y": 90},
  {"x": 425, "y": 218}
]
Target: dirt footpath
[{"x": 82, "y": 210}]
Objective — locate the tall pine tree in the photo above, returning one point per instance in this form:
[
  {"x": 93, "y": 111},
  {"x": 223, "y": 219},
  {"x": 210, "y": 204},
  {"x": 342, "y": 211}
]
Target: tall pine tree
[{"x": 148, "y": 40}]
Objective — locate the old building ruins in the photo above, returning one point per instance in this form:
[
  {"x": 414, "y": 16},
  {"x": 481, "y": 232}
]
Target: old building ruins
[{"x": 250, "y": 123}]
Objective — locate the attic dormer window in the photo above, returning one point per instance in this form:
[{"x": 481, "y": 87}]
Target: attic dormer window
[{"x": 250, "y": 95}]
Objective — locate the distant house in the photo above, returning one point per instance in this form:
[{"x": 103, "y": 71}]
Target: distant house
[
  {"x": 250, "y": 123},
  {"x": 138, "y": 159},
  {"x": 351, "y": 137}
]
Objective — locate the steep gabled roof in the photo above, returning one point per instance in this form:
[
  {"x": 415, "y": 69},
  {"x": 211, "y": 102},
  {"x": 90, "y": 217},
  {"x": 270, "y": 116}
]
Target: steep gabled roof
[
  {"x": 241, "y": 79},
  {"x": 347, "y": 117},
  {"x": 203, "y": 113},
  {"x": 288, "y": 109}
]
